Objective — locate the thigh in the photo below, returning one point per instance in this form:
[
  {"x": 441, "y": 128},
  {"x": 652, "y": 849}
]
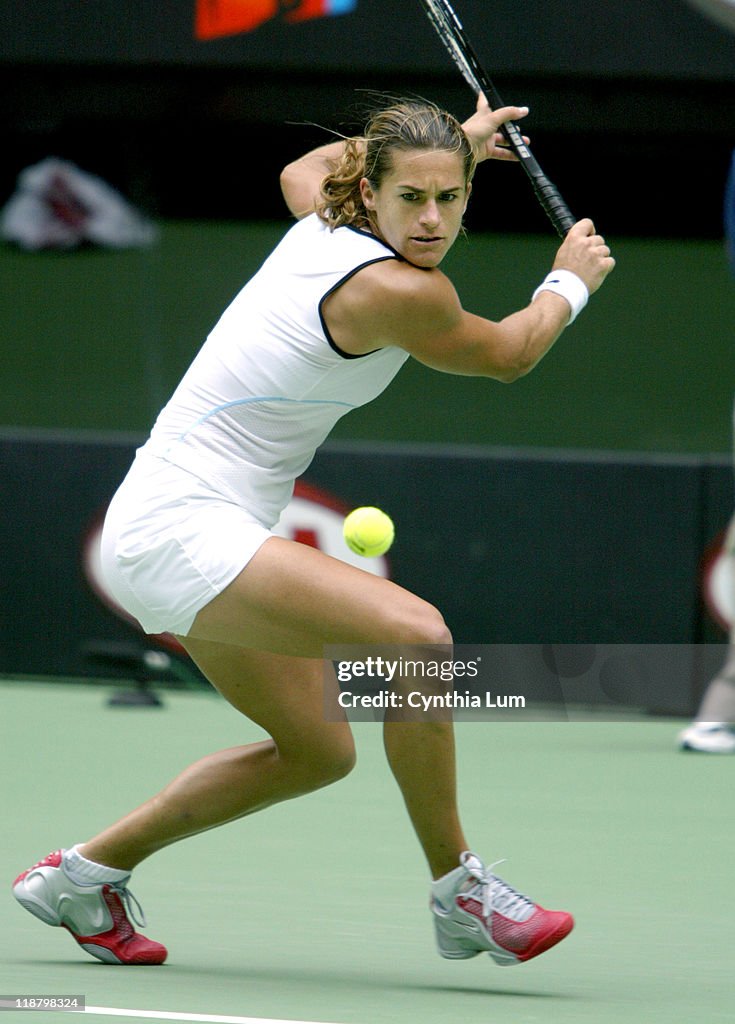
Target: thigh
[
  {"x": 293, "y": 599},
  {"x": 293, "y": 699}
]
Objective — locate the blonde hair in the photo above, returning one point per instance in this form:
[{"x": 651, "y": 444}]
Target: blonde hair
[{"x": 407, "y": 125}]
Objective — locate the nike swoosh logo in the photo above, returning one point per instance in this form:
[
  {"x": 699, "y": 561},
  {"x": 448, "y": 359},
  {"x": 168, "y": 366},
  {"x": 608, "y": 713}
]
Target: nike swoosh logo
[
  {"x": 96, "y": 920},
  {"x": 467, "y": 927},
  {"x": 470, "y": 926}
]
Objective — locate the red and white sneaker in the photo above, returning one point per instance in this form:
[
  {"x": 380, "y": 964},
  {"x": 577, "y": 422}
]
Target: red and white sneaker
[
  {"x": 477, "y": 912},
  {"x": 95, "y": 915}
]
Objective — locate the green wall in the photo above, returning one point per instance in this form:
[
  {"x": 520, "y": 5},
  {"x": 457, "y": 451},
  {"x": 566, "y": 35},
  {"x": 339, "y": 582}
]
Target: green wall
[{"x": 97, "y": 340}]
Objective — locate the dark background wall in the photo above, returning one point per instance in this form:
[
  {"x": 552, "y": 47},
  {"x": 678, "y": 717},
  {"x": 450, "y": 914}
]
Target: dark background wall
[
  {"x": 519, "y": 548},
  {"x": 631, "y": 101}
]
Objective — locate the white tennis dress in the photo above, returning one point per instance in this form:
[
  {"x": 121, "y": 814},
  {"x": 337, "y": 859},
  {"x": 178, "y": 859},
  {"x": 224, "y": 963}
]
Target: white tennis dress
[{"x": 261, "y": 395}]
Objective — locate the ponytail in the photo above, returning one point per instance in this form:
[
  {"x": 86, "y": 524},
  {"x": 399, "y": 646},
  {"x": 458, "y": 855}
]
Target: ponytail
[
  {"x": 407, "y": 125},
  {"x": 340, "y": 200}
]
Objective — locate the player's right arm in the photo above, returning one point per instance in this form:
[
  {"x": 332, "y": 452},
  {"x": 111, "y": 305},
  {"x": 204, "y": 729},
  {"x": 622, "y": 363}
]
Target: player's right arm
[
  {"x": 301, "y": 179},
  {"x": 389, "y": 304}
]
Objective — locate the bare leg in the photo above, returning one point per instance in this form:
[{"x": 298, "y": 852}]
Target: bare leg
[
  {"x": 295, "y": 600},
  {"x": 292, "y": 600},
  {"x": 286, "y": 697},
  {"x": 421, "y": 756}
]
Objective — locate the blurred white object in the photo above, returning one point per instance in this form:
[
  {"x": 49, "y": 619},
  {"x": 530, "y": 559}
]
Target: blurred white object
[
  {"x": 58, "y": 206},
  {"x": 708, "y": 738},
  {"x": 718, "y": 578},
  {"x": 721, "y": 11}
]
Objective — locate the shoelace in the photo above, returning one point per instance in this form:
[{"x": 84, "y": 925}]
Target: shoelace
[
  {"x": 131, "y": 904},
  {"x": 493, "y": 892}
]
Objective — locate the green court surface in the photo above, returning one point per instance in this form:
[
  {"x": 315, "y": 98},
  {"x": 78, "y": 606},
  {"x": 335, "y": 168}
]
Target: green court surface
[{"x": 316, "y": 910}]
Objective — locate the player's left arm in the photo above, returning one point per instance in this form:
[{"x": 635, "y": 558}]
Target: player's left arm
[
  {"x": 465, "y": 343},
  {"x": 397, "y": 304},
  {"x": 445, "y": 336},
  {"x": 391, "y": 304}
]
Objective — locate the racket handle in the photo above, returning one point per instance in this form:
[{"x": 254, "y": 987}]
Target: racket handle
[{"x": 556, "y": 209}]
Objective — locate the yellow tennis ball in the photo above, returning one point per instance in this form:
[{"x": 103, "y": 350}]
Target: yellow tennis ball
[{"x": 368, "y": 531}]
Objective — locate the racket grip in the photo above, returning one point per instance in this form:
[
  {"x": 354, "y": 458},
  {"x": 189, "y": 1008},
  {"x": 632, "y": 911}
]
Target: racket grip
[{"x": 556, "y": 209}]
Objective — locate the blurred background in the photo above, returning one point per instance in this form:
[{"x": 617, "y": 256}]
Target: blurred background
[{"x": 579, "y": 505}]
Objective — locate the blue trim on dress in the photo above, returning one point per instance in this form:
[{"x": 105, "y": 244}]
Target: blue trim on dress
[{"x": 259, "y": 398}]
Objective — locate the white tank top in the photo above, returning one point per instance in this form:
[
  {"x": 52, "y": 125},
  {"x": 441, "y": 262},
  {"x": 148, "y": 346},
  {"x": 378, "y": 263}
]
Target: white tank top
[{"x": 269, "y": 383}]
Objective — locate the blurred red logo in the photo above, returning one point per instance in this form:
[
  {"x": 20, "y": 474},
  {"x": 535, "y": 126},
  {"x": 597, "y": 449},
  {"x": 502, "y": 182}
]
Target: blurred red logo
[{"x": 217, "y": 18}]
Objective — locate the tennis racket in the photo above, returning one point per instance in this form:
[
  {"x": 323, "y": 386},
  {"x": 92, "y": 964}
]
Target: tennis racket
[{"x": 449, "y": 29}]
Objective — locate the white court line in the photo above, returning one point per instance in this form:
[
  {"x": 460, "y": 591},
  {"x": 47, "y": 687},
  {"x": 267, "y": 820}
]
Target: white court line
[{"x": 203, "y": 1018}]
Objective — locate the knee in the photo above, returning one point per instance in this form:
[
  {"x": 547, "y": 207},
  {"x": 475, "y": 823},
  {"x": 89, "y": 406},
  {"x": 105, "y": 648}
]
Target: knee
[
  {"x": 339, "y": 765},
  {"x": 426, "y": 626},
  {"x": 332, "y": 763},
  {"x": 439, "y": 633},
  {"x": 323, "y": 761}
]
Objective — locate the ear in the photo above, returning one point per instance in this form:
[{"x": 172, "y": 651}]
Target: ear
[
  {"x": 468, "y": 193},
  {"x": 367, "y": 193}
]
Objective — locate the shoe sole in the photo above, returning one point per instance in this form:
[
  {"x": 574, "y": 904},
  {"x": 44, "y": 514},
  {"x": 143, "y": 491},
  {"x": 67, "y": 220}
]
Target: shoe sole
[
  {"x": 460, "y": 954},
  {"x": 101, "y": 952},
  {"x": 505, "y": 958},
  {"x": 687, "y": 749},
  {"x": 35, "y": 906}
]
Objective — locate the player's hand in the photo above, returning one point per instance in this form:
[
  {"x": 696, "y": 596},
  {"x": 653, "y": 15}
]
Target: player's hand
[
  {"x": 585, "y": 253},
  {"x": 482, "y": 129}
]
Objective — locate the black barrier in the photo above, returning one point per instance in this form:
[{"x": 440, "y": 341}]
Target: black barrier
[
  {"x": 638, "y": 38},
  {"x": 515, "y": 547}
]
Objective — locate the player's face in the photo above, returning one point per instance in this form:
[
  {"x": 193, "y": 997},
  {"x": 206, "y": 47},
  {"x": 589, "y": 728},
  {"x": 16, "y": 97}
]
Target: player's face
[{"x": 419, "y": 205}]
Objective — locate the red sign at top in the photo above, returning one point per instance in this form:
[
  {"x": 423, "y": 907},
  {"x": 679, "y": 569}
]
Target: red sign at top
[{"x": 217, "y": 18}]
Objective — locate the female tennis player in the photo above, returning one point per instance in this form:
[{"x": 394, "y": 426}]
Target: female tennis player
[{"x": 348, "y": 295}]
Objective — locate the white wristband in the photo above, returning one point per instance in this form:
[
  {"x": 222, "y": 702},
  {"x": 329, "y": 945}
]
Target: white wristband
[{"x": 569, "y": 286}]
